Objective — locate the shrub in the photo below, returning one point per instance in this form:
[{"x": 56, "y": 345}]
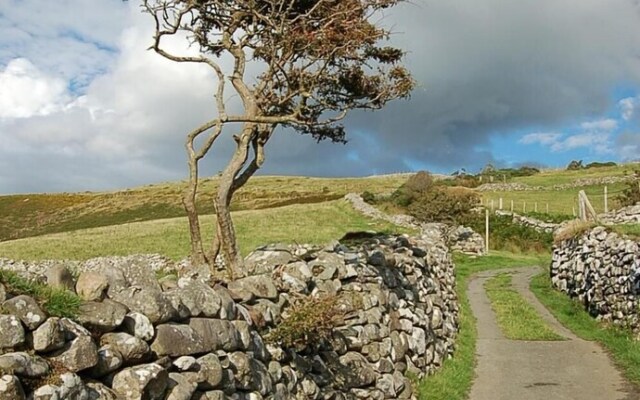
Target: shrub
[
  {"x": 308, "y": 323},
  {"x": 600, "y": 164},
  {"x": 504, "y": 234},
  {"x": 631, "y": 194},
  {"x": 368, "y": 197},
  {"x": 413, "y": 188},
  {"x": 441, "y": 204}
]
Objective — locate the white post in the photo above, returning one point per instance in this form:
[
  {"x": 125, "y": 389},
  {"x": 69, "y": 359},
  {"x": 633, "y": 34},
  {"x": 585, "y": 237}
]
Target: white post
[
  {"x": 511, "y": 205},
  {"x": 486, "y": 232},
  {"x": 547, "y": 208},
  {"x": 606, "y": 201},
  {"x": 501, "y": 203}
]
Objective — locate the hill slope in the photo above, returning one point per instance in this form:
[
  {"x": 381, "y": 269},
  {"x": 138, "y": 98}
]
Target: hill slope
[{"x": 37, "y": 214}]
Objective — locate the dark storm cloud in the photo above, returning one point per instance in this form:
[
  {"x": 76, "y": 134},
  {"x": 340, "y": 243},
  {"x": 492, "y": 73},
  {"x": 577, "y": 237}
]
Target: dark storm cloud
[{"x": 484, "y": 69}]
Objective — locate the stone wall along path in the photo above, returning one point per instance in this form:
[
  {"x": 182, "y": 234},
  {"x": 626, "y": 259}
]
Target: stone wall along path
[{"x": 526, "y": 370}]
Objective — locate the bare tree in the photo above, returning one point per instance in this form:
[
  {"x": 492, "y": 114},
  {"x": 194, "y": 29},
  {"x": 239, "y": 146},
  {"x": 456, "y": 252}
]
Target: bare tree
[{"x": 314, "y": 60}]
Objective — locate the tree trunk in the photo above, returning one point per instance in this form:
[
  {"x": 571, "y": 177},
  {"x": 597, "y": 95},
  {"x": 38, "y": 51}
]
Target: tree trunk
[
  {"x": 198, "y": 257},
  {"x": 225, "y": 234}
]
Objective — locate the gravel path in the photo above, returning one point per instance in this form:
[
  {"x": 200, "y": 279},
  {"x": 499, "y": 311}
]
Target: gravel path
[{"x": 523, "y": 370}]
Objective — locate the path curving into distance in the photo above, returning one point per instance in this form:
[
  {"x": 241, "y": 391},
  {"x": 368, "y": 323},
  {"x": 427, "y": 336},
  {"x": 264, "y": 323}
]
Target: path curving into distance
[{"x": 541, "y": 370}]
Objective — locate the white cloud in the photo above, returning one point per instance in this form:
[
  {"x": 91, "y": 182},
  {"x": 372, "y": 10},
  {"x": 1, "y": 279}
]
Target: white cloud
[
  {"x": 25, "y": 91},
  {"x": 602, "y": 125},
  {"x": 628, "y": 107},
  {"x": 543, "y": 138},
  {"x": 595, "y": 136},
  {"x": 595, "y": 142}
]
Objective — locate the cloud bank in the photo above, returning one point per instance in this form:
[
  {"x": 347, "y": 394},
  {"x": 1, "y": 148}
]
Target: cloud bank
[{"x": 84, "y": 106}]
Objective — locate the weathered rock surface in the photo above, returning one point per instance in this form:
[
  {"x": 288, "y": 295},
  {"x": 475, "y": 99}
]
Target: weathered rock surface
[
  {"x": 27, "y": 309},
  {"x": 142, "y": 382},
  {"x": 11, "y": 331},
  {"x": 10, "y": 388},
  {"x": 49, "y": 336},
  {"x": 103, "y": 316},
  {"x": 602, "y": 270}
]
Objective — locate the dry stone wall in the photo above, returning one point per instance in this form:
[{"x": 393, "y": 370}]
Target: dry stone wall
[
  {"x": 140, "y": 337},
  {"x": 459, "y": 238},
  {"x": 580, "y": 182},
  {"x": 530, "y": 222},
  {"x": 602, "y": 270},
  {"x": 625, "y": 215}
]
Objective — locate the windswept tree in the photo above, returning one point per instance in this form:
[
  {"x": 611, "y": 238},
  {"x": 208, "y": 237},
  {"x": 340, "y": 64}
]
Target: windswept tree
[{"x": 299, "y": 64}]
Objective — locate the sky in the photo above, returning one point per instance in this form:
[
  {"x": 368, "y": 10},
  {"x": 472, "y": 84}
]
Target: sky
[{"x": 85, "y": 106}]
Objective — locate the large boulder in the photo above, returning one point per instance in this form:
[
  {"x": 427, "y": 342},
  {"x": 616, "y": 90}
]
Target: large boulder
[
  {"x": 10, "y": 388},
  {"x": 24, "y": 365},
  {"x": 217, "y": 334},
  {"x": 12, "y": 331},
  {"x": 49, "y": 336},
  {"x": 27, "y": 309},
  {"x": 260, "y": 286},
  {"x": 91, "y": 286},
  {"x": 109, "y": 360},
  {"x": 79, "y": 354},
  {"x": 142, "y": 382},
  {"x": 102, "y": 316},
  {"x": 147, "y": 301},
  {"x": 132, "y": 349},
  {"x": 139, "y": 325},
  {"x": 59, "y": 277},
  {"x": 177, "y": 340}
]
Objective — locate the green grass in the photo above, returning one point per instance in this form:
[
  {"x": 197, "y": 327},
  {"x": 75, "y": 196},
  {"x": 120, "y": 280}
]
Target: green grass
[
  {"x": 517, "y": 319},
  {"x": 624, "y": 350},
  {"x": 28, "y": 215},
  {"x": 562, "y": 176},
  {"x": 56, "y": 302},
  {"x": 561, "y": 202},
  {"x": 632, "y": 230},
  {"x": 453, "y": 380},
  {"x": 304, "y": 223}
]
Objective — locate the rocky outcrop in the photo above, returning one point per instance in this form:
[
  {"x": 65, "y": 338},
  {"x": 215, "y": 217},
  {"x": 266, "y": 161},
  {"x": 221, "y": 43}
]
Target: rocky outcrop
[
  {"x": 625, "y": 215},
  {"x": 184, "y": 339},
  {"x": 602, "y": 270}
]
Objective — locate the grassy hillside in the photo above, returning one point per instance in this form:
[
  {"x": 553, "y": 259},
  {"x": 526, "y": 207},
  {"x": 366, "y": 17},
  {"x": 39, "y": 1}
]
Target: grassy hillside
[
  {"x": 37, "y": 214},
  {"x": 562, "y": 201},
  {"x": 304, "y": 223},
  {"x": 561, "y": 176}
]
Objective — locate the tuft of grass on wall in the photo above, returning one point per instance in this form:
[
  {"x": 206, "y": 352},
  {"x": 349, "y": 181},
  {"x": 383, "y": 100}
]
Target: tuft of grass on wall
[{"x": 55, "y": 302}]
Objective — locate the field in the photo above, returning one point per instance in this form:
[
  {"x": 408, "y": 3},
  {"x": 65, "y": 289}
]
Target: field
[
  {"x": 37, "y": 214},
  {"x": 565, "y": 201},
  {"x": 303, "y": 223},
  {"x": 562, "y": 202}
]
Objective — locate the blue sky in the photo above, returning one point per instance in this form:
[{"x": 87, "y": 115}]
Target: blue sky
[{"x": 84, "y": 105}]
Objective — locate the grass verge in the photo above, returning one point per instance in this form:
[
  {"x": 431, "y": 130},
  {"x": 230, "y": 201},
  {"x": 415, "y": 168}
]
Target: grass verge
[
  {"x": 453, "y": 380},
  {"x": 56, "y": 302},
  {"x": 515, "y": 316},
  {"x": 624, "y": 350}
]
